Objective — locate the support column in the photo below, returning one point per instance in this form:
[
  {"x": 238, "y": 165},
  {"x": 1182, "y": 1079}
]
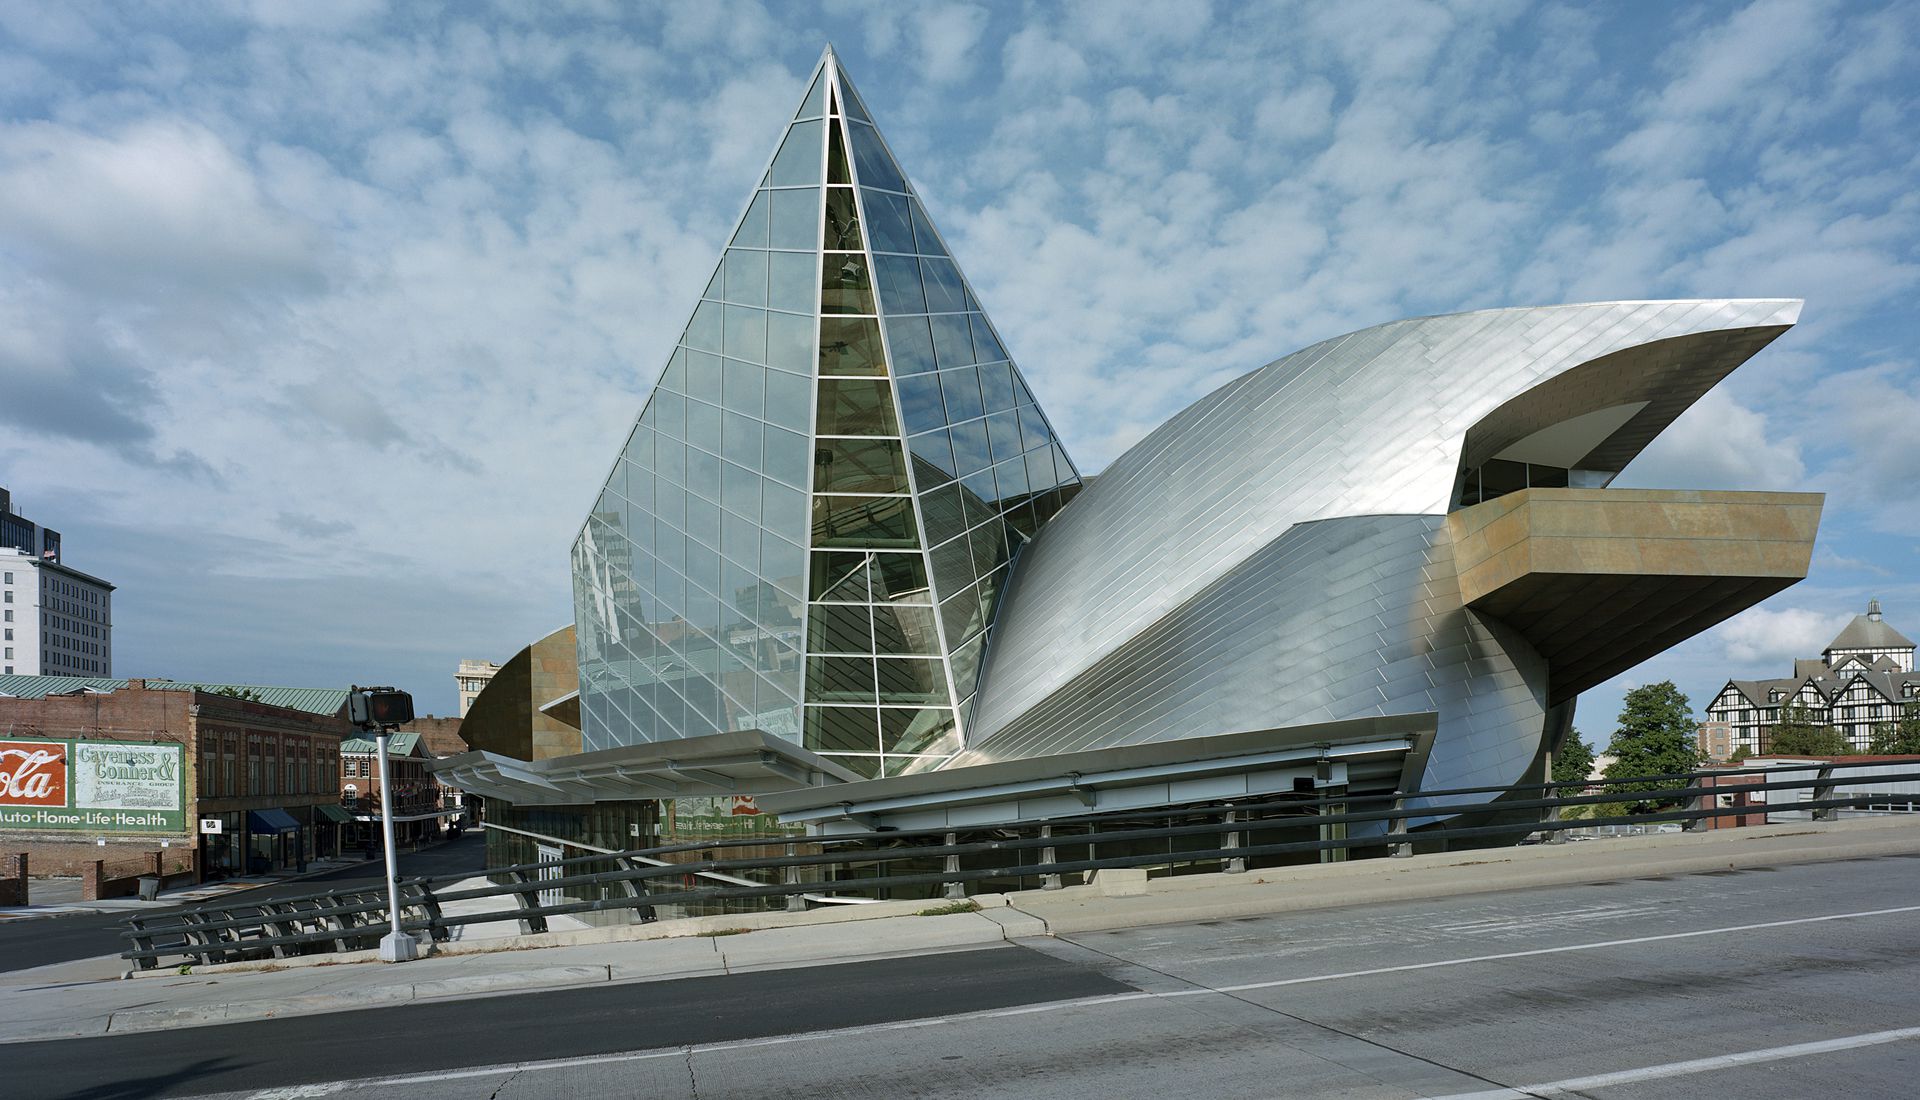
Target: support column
[
  {"x": 1398, "y": 824},
  {"x": 955, "y": 891},
  {"x": 1231, "y": 839},
  {"x": 1048, "y": 855},
  {"x": 791, "y": 876}
]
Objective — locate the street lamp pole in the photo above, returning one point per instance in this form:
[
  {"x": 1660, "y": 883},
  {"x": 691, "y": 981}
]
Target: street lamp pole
[{"x": 395, "y": 946}]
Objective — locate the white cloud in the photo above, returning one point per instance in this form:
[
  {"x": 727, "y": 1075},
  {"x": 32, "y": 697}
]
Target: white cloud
[
  {"x": 1773, "y": 638},
  {"x": 1719, "y": 444}
]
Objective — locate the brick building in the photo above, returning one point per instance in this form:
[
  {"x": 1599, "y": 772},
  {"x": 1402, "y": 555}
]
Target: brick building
[
  {"x": 418, "y": 796},
  {"x": 224, "y": 778}
]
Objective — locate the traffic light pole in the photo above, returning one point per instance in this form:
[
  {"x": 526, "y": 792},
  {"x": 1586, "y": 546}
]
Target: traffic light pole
[{"x": 395, "y": 946}]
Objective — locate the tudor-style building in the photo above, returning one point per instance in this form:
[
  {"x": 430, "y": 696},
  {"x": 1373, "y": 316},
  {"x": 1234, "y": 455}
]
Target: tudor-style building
[{"x": 1863, "y": 680}]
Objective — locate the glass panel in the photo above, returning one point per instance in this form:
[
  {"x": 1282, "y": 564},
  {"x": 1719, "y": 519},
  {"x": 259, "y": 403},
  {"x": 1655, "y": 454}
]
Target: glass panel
[
  {"x": 905, "y": 630},
  {"x": 753, "y": 228},
  {"x": 717, "y": 286},
  {"x": 703, "y": 332},
  {"x": 867, "y": 767},
  {"x": 962, "y": 391},
  {"x": 1033, "y": 429},
  {"x": 790, "y": 341},
  {"x": 815, "y": 104},
  {"x": 788, "y": 457},
  {"x": 782, "y": 562},
  {"x": 746, "y": 334},
  {"x": 703, "y": 523},
  {"x": 900, "y": 578},
  {"x": 966, "y": 666},
  {"x": 850, "y": 101},
  {"x": 839, "y": 577},
  {"x": 843, "y": 221},
  {"x": 703, "y": 469},
  {"x": 980, "y": 495},
  {"x": 924, "y": 237},
  {"x": 703, "y": 376},
  {"x": 787, "y": 400},
  {"x": 797, "y": 164},
  {"x": 985, "y": 343},
  {"x": 670, "y": 415},
  {"x": 1020, "y": 389},
  {"x": 960, "y": 617},
  {"x": 836, "y": 155},
  {"x": 1010, "y": 477},
  {"x": 944, "y": 292},
  {"x": 996, "y": 386},
  {"x": 640, "y": 448},
  {"x": 952, "y": 343},
  {"x": 740, "y": 491},
  {"x": 876, "y": 168},
  {"x": 920, "y": 404},
  {"x": 888, "y": 221},
  {"x": 796, "y": 219},
  {"x": 844, "y": 285},
  {"x": 911, "y": 343},
  {"x": 859, "y": 466},
  {"x": 783, "y": 509},
  {"x": 899, "y": 279},
  {"x": 858, "y": 522},
  {"x": 942, "y": 513},
  {"x": 742, "y": 390},
  {"x": 703, "y": 424},
  {"x": 850, "y": 345},
  {"x": 740, "y": 439},
  {"x": 911, "y": 680},
  {"x": 989, "y": 546},
  {"x": 746, "y": 277},
  {"x": 933, "y": 459},
  {"x": 1040, "y": 472},
  {"x": 843, "y": 729},
  {"x": 791, "y": 279},
  {"x": 916, "y": 730},
  {"x": 840, "y": 680},
  {"x": 839, "y": 628},
  {"x": 1003, "y": 429},
  {"x": 970, "y": 448},
  {"x": 855, "y": 406},
  {"x": 953, "y": 566}
]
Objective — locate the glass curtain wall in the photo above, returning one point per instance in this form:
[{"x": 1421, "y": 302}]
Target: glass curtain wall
[{"x": 809, "y": 527}]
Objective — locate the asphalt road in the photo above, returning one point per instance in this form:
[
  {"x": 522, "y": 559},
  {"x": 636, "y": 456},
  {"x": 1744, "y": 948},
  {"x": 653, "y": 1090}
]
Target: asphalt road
[
  {"x": 44, "y": 940},
  {"x": 1773, "y": 983}
]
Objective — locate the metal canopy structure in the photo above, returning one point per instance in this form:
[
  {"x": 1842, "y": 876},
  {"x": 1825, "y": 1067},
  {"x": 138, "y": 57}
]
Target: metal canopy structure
[
  {"x": 737, "y": 762},
  {"x": 1380, "y": 753}
]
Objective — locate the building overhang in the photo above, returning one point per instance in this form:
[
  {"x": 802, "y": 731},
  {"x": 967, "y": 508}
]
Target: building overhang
[
  {"x": 737, "y": 762},
  {"x": 1387, "y": 752},
  {"x": 1599, "y": 580}
]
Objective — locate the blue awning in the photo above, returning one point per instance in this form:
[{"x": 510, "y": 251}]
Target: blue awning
[{"x": 272, "y": 822}]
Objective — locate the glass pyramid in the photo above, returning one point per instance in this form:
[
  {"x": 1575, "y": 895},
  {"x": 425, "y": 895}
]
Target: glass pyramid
[{"x": 809, "y": 527}]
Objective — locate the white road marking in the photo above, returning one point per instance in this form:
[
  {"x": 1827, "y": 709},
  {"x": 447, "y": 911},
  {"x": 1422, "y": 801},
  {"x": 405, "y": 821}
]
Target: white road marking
[
  {"x": 330, "y": 1088},
  {"x": 1276, "y": 983},
  {"x": 1574, "y": 1085}
]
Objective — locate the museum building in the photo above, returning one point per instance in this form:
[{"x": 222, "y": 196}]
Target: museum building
[{"x": 844, "y": 564}]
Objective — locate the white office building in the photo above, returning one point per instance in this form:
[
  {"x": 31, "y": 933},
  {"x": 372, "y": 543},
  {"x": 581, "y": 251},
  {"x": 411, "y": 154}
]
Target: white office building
[{"x": 54, "y": 620}]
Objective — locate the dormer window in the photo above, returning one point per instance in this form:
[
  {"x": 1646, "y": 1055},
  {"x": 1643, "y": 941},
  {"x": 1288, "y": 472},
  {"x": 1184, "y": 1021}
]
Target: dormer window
[{"x": 1775, "y": 695}]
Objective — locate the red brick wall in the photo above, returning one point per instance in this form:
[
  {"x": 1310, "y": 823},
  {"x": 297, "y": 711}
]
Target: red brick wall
[{"x": 13, "y": 878}]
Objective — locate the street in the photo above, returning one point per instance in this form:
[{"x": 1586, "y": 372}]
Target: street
[
  {"x": 44, "y": 940},
  {"x": 1698, "y": 984}
]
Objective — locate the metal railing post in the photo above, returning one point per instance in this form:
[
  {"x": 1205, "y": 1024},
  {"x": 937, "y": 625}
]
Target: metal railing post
[
  {"x": 1231, "y": 839},
  {"x": 795, "y": 903},
  {"x": 530, "y": 923},
  {"x": 1048, "y": 855},
  {"x": 955, "y": 890},
  {"x": 1398, "y": 824},
  {"x": 1824, "y": 792}
]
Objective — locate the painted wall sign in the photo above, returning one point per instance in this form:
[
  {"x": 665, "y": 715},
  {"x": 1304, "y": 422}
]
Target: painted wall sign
[{"x": 93, "y": 786}]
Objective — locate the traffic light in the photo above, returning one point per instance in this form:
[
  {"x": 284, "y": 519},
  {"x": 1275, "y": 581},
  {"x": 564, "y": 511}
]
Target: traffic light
[{"x": 379, "y": 707}]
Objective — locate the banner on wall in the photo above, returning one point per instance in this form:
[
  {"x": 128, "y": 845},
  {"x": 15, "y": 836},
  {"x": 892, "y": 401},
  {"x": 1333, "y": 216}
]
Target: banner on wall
[{"x": 93, "y": 786}]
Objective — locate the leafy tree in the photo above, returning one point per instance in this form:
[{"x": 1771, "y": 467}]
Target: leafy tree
[
  {"x": 1656, "y": 736},
  {"x": 1901, "y": 738},
  {"x": 1797, "y": 734},
  {"x": 1573, "y": 762},
  {"x": 1739, "y": 755}
]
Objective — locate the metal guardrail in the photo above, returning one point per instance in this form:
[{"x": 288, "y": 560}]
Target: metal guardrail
[{"x": 355, "y": 919}]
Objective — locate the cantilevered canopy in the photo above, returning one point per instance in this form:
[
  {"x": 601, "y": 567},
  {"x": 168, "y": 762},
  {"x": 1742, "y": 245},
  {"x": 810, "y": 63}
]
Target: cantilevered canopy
[
  {"x": 1382, "y": 753},
  {"x": 737, "y": 762}
]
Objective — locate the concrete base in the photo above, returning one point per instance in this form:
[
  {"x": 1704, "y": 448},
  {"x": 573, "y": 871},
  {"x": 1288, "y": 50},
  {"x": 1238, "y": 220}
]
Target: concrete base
[{"x": 398, "y": 947}]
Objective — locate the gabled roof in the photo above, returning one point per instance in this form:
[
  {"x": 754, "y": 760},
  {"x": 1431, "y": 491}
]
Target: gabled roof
[
  {"x": 1757, "y": 691},
  {"x": 398, "y": 744},
  {"x": 327, "y": 701},
  {"x": 1870, "y": 631}
]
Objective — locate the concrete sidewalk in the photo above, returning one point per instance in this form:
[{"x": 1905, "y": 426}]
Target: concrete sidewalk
[{"x": 89, "y": 998}]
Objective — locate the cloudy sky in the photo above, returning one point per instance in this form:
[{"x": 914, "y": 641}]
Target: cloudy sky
[{"x": 319, "y": 322}]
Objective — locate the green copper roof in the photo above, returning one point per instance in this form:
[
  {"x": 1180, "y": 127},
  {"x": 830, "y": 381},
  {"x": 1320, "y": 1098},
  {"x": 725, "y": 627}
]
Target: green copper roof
[
  {"x": 398, "y": 744},
  {"x": 312, "y": 700}
]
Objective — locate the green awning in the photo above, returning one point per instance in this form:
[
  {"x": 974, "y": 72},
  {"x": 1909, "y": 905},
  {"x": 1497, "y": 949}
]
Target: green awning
[{"x": 331, "y": 812}]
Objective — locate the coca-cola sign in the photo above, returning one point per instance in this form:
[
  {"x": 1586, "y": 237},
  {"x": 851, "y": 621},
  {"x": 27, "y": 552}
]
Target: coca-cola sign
[{"x": 33, "y": 773}]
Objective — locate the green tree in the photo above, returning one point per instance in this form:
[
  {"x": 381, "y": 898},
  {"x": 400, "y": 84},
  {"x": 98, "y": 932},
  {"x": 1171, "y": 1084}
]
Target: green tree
[
  {"x": 1797, "y": 734},
  {"x": 1739, "y": 755},
  {"x": 1900, "y": 738},
  {"x": 1573, "y": 762},
  {"x": 1656, "y": 736}
]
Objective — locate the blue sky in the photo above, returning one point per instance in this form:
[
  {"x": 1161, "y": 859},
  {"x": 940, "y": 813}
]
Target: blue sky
[{"x": 320, "y": 322}]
